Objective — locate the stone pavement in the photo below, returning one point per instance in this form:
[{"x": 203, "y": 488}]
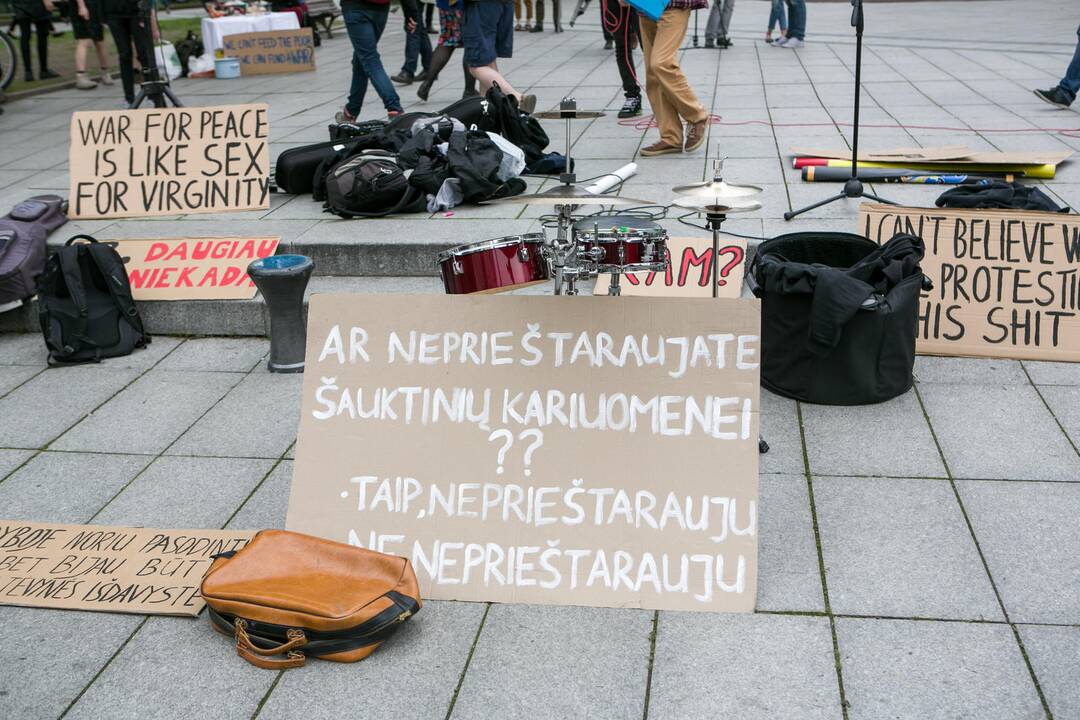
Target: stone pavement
[{"x": 918, "y": 558}]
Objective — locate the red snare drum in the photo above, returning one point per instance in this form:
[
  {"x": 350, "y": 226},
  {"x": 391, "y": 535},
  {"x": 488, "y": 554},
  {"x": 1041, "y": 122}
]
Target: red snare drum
[
  {"x": 494, "y": 265},
  {"x": 622, "y": 243}
]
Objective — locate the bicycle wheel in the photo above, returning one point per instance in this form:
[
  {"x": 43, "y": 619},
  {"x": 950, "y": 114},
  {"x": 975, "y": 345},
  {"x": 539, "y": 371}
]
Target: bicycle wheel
[{"x": 8, "y": 59}]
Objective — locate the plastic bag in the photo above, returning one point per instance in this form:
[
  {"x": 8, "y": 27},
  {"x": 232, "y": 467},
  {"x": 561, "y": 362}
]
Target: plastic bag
[
  {"x": 168, "y": 60},
  {"x": 199, "y": 66},
  {"x": 513, "y": 159}
]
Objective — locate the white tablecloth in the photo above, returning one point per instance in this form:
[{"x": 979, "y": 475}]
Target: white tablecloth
[{"x": 213, "y": 29}]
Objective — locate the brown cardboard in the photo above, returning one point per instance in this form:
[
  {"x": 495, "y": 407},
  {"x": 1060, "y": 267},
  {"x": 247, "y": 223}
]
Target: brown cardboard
[
  {"x": 948, "y": 154},
  {"x": 193, "y": 268},
  {"x": 356, "y": 479},
  {"x": 108, "y": 569},
  {"x": 689, "y": 271},
  {"x": 169, "y": 161},
  {"x": 272, "y": 51},
  {"x": 1017, "y": 298}
]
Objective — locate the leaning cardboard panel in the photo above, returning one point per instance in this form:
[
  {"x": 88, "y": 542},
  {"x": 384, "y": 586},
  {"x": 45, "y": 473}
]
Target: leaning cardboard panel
[
  {"x": 689, "y": 271},
  {"x": 110, "y": 569},
  {"x": 272, "y": 51},
  {"x": 1006, "y": 282},
  {"x": 535, "y": 450},
  {"x": 193, "y": 268},
  {"x": 169, "y": 161}
]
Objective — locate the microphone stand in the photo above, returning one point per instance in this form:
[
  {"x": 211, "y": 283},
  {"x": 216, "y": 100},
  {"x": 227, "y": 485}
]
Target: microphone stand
[{"x": 853, "y": 187}]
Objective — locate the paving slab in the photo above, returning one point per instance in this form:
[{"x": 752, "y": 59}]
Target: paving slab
[
  {"x": 11, "y": 459},
  {"x": 148, "y": 416},
  {"x": 217, "y": 354},
  {"x": 265, "y": 405},
  {"x": 54, "y": 390},
  {"x": 1052, "y": 652},
  {"x": 1062, "y": 400},
  {"x": 182, "y": 492},
  {"x": 66, "y": 487},
  {"x": 268, "y": 505},
  {"x": 986, "y": 431},
  {"x": 968, "y": 371},
  {"x": 900, "y": 548},
  {"x": 12, "y": 376},
  {"x": 1029, "y": 535},
  {"x": 889, "y": 438},
  {"x": 923, "y": 669},
  {"x": 743, "y": 666},
  {"x": 560, "y": 661},
  {"x": 780, "y": 429},
  {"x": 52, "y": 655},
  {"x": 789, "y": 577}
]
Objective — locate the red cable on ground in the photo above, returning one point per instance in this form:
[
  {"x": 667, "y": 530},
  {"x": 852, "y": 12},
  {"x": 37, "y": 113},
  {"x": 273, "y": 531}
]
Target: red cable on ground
[{"x": 647, "y": 121}]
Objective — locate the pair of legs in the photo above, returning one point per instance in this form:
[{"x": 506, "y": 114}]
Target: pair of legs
[
  {"x": 556, "y": 15},
  {"x": 417, "y": 42},
  {"x": 488, "y": 32},
  {"x": 528, "y": 12},
  {"x": 796, "y": 19},
  {"x": 670, "y": 94},
  {"x": 1070, "y": 84},
  {"x": 128, "y": 32},
  {"x": 621, "y": 23},
  {"x": 42, "y": 26},
  {"x": 777, "y": 16},
  {"x": 719, "y": 19},
  {"x": 449, "y": 39},
  {"x": 365, "y": 27}
]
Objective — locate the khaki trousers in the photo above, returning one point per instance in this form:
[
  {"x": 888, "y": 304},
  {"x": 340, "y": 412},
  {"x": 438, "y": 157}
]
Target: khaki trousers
[{"x": 670, "y": 95}]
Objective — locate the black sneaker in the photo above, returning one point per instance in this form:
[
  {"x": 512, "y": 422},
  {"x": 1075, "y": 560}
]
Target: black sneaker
[
  {"x": 1054, "y": 96},
  {"x": 403, "y": 78},
  {"x": 609, "y": 44},
  {"x": 631, "y": 107}
]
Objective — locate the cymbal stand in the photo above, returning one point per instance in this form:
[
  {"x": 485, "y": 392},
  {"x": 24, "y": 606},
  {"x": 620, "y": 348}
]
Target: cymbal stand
[{"x": 714, "y": 216}]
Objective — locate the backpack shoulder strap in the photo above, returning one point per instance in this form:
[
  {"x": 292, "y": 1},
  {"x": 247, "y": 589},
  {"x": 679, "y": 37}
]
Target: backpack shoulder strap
[
  {"x": 72, "y": 274},
  {"x": 112, "y": 269},
  {"x": 409, "y": 202}
]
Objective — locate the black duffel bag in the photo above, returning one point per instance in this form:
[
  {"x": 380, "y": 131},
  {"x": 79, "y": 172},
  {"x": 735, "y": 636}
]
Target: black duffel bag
[{"x": 838, "y": 315}]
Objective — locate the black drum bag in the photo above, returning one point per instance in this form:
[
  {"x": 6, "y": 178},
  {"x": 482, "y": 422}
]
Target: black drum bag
[{"x": 838, "y": 315}]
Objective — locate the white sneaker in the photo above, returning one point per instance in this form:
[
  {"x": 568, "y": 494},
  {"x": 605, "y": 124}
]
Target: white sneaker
[
  {"x": 106, "y": 79},
  {"x": 780, "y": 42},
  {"x": 793, "y": 43}
]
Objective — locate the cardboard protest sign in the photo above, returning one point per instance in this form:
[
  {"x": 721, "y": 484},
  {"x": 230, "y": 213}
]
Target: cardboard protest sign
[
  {"x": 193, "y": 268},
  {"x": 110, "y": 569},
  {"x": 169, "y": 161},
  {"x": 1006, "y": 282},
  {"x": 272, "y": 51},
  {"x": 599, "y": 452},
  {"x": 689, "y": 271}
]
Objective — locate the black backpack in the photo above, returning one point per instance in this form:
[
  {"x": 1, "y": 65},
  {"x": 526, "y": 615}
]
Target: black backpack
[
  {"x": 190, "y": 46},
  {"x": 85, "y": 304},
  {"x": 371, "y": 184},
  {"x": 22, "y": 244}
]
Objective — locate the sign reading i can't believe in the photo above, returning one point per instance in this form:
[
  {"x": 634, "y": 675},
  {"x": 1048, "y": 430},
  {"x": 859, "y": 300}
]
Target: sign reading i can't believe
[{"x": 1006, "y": 283}]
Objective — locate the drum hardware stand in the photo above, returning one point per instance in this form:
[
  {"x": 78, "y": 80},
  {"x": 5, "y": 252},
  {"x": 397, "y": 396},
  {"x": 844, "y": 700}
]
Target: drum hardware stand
[
  {"x": 153, "y": 88},
  {"x": 853, "y": 187}
]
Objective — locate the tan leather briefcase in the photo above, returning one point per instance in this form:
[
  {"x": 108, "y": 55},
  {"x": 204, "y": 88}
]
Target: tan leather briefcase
[{"x": 287, "y": 596}]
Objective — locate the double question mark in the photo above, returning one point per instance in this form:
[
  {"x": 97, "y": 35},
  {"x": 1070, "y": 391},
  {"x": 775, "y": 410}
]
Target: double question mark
[{"x": 538, "y": 440}]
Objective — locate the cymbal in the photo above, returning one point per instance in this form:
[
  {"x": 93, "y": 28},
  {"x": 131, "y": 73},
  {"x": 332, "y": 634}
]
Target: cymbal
[
  {"x": 567, "y": 195},
  {"x": 716, "y": 192},
  {"x": 719, "y": 209},
  {"x": 564, "y": 114}
]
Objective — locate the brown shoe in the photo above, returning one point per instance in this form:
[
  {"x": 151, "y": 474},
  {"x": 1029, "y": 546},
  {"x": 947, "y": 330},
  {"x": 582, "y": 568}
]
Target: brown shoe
[
  {"x": 695, "y": 135},
  {"x": 659, "y": 148}
]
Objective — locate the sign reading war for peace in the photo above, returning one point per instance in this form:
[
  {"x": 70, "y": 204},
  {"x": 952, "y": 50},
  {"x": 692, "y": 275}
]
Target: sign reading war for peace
[
  {"x": 111, "y": 569},
  {"x": 1006, "y": 283},
  {"x": 159, "y": 161},
  {"x": 272, "y": 51},
  {"x": 689, "y": 271},
  {"x": 526, "y": 449},
  {"x": 193, "y": 268}
]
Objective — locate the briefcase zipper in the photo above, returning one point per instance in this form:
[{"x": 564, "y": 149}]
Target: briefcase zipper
[{"x": 270, "y": 630}]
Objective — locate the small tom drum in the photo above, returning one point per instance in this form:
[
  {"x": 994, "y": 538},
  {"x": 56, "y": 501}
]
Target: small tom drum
[
  {"x": 489, "y": 266},
  {"x": 622, "y": 243}
]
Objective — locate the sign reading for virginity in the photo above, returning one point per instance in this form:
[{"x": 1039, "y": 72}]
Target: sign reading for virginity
[
  {"x": 193, "y": 268},
  {"x": 169, "y": 161},
  {"x": 112, "y": 569},
  {"x": 526, "y": 449},
  {"x": 1006, "y": 282}
]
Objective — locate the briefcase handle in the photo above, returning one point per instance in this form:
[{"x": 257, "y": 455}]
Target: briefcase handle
[{"x": 264, "y": 657}]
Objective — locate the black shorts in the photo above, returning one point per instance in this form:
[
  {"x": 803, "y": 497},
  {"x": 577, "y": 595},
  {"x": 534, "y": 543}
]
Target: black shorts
[{"x": 87, "y": 29}]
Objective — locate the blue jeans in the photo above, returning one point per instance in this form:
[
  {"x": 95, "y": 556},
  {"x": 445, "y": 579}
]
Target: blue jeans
[
  {"x": 796, "y": 19},
  {"x": 417, "y": 46},
  {"x": 365, "y": 27},
  {"x": 1071, "y": 82},
  {"x": 776, "y": 15}
]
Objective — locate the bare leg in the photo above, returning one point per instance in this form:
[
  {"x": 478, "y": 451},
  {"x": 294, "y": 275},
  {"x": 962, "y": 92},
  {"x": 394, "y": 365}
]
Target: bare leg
[
  {"x": 103, "y": 55},
  {"x": 488, "y": 75},
  {"x": 81, "y": 46}
]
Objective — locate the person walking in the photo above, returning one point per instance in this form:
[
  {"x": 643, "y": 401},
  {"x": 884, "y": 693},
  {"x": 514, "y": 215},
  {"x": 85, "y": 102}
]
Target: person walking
[
  {"x": 621, "y": 25},
  {"x": 556, "y": 16},
  {"x": 417, "y": 44},
  {"x": 365, "y": 21},
  {"x": 488, "y": 32},
  {"x": 523, "y": 26},
  {"x": 87, "y": 28},
  {"x": 1064, "y": 93},
  {"x": 670, "y": 95},
  {"x": 451, "y": 13},
  {"x": 131, "y": 36},
  {"x": 776, "y": 16},
  {"x": 34, "y": 16},
  {"x": 796, "y": 29},
  {"x": 716, "y": 28}
]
